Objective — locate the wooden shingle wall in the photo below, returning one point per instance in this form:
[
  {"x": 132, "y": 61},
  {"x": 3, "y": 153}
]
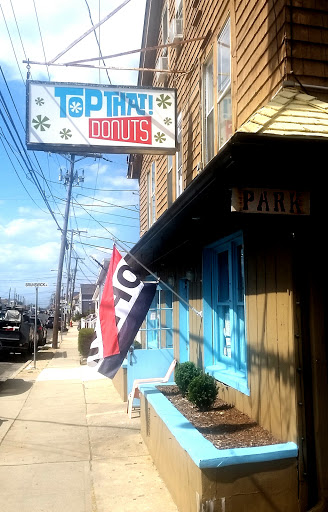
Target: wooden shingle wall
[{"x": 271, "y": 42}]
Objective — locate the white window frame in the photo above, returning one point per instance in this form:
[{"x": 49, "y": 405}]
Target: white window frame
[
  {"x": 178, "y": 158},
  {"x": 151, "y": 193},
  {"x": 224, "y": 113},
  {"x": 208, "y": 106},
  {"x": 169, "y": 180},
  {"x": 165, "y": 28},
  {"x": 178, "y": 8}
]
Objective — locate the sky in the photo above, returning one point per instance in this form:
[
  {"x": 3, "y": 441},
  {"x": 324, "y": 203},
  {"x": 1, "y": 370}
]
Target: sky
[{"x": 32, "y": 204}]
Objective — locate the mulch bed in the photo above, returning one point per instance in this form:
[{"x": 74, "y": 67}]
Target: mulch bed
[{"x": 223, "y": 425}]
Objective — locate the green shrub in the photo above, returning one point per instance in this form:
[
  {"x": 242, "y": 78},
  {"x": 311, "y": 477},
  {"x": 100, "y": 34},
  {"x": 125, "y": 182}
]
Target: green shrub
[
  {"x": 202, "y": 391},
  {"x": 184, "y": 374},
  {"x": 86, "y": 336}
]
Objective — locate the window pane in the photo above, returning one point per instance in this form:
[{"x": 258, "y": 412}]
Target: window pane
[
  {"x": 224, "y": 58},
  {"x": 208, "y": 111},
  {"x": 164, "y": 26},
  {"x": 169, "y": 181},
  {"x": 209, "y": 87},
  {"x": 209, "y": 137},
  {"x": 223, "y": 276},
  {"x": 178, "y": 157},
  {"x": 240, "y": 274},
  {"x": 149, "y": 198},
  {"x": 225, "y": 331},
  {"x": 225, "y": 119}
]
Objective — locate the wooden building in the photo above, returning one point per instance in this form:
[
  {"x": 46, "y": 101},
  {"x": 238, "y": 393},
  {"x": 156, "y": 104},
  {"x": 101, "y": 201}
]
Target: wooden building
[{"x": 234, "y": 219}]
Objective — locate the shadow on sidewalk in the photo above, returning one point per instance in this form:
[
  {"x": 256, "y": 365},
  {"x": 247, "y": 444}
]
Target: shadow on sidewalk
[{"x": 14, "y": 387}]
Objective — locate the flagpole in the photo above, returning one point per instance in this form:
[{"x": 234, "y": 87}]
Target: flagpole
[{"x": 158, "y": 279}]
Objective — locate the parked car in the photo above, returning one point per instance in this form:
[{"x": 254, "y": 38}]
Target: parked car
[
  {"x": 41, "y": 331},
  {"x": 16, "y": 333},
  {"x": 50, "y": 322}
]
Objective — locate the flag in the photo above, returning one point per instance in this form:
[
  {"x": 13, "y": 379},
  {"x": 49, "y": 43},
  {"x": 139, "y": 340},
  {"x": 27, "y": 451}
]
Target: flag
[{"x": 123, "y": 307}]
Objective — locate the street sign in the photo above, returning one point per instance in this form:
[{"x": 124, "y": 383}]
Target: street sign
[{"x": 36, "y": 284}]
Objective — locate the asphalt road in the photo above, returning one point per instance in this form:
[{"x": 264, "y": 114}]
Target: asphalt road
[{"x": 11, "y": 364}]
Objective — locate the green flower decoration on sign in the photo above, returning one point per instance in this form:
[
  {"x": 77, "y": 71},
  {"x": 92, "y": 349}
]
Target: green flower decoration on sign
[
  {"x": 164, "y": 101},
  {"x": 65, "y": 133},
  {"x": 39, "y": 101},
  {"x": 167, "y": 121},
  {"x": 160, "y": 137},
  {"x": 41, "y": 123}
]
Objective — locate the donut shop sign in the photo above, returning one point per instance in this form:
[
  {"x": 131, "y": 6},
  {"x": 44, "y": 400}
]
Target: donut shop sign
[{"x": 69, "y": 117}]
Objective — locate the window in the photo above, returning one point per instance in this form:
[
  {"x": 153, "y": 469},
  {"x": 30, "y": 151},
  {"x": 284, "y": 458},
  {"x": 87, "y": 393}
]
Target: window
[
  {"x": 178, "y": 8},
  {"x": 165, "y": 29},
  {"x": 178, "y": 158},
  {"x": 157, "y": 330},
  {"x": 169, "y": 180},
  {"x": 151, "y": 188},
  {"x": 224, "y": 85},
  {"x": 224, "y": 303},
  {"x": 208, "y": 110}
]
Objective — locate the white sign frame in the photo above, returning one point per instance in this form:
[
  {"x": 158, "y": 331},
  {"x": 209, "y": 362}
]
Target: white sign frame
[{"x": 90, "y": 118}]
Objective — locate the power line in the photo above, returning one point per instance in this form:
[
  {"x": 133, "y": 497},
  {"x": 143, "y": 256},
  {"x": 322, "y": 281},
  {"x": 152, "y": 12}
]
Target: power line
[
  {"x": 25, "y": 159},
  {"x": 12, "y": 8},
  {"x": 4, "y": 18},
  {"x": 44, "y": 53},
  {"x": 98, "y": 43},
  {"x": 17, "y": 172}
]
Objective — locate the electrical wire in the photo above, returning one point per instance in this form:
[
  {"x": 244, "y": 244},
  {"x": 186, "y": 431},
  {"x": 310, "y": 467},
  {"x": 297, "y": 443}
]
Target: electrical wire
[
  {"x": 26, "y": 161},
  {"x": 18, "y": 174},
  {"x": 7, "y": 110},
  {"x": 44, "y": 53},
  {"x": 98, "y": 43},
  {"x": 13, "y": 48},
  {"x": 20, "y": 37},
  {"x": 105, "y": 202}
]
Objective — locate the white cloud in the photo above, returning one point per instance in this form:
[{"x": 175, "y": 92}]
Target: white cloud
[
  {"x": 22, "y": 258},
  {"x": 30, "y": 229},
  {"x": 61, "y": 24}
]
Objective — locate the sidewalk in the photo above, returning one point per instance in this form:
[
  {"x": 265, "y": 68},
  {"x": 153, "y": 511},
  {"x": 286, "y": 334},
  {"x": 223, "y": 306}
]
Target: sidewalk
[{"x": 67, "y": 444}]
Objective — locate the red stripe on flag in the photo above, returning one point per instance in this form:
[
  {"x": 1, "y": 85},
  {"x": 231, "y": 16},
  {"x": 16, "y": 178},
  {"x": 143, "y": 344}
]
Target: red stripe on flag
[{"x": 107, "y": 310}]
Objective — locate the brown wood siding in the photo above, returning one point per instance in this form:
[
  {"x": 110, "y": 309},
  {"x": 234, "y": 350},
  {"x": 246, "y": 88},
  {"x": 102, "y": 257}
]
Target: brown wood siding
[
  {"x": 260, "y": 54},
  {"x": 307, "y": 41},
  {"x": 143, "y": 193},
  {"x": 269, "y": 40},
  {"x": 270, "y": 343}
]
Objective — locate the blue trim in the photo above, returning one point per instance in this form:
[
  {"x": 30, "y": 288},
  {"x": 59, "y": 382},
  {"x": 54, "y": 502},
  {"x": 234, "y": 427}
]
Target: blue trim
[
  {"x": 224, "y": 374},
  {"x": 201, "y": 451},
  {"x": 231, "y": 371}
]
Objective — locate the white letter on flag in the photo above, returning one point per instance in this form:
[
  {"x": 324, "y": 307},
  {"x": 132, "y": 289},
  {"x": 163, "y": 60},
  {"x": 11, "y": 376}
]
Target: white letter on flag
[{"x": 123, "y": 307}]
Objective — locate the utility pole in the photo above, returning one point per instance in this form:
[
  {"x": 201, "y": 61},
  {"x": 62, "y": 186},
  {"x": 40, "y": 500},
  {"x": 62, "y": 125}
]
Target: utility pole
[
  {"x": 73, "y": 281},
  {"x": 62, "y": 254},
  {"x": 69, "y": 181},
  {"x": 69, "y": 302}
]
